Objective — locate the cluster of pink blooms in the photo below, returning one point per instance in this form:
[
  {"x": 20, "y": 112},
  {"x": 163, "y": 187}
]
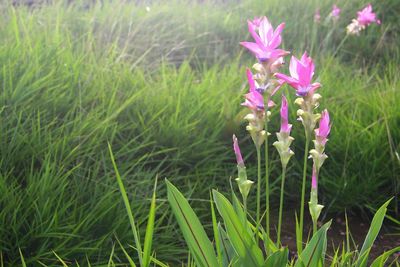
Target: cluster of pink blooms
[
  {"x": 364, "y": 18},
  {"x": 266, "y": 40},
  {"x": 265, "y": 83},
  {"x": 301, "y": 72},
  {"x": 262, "y": 85}
]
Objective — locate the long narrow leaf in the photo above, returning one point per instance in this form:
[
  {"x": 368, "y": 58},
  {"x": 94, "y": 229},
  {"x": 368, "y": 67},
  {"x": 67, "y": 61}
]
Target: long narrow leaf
[
  {"x": 229, "y": 255},
  {"x": 313, "y": 254},
  {"x": 373, "y": 232},
  {"x": 216, "y": 233},
  {"x": 246, "y": 248},
  {"x": 241, "y": 214},
  {"x": 278, "y": 258},
  {"x": 193, "y": 232},
  {"x": 381, "y": 260},
  {"x": 148, "y": 239},
  {"x": 127, "y": 206},
  {"x": 22, "y": 258},
  {"x": 61, "y": 260},
  {"x": 128, "y": 257}
]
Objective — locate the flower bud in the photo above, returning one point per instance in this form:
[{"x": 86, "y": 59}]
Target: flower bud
[{"x": 238, "y": 154}]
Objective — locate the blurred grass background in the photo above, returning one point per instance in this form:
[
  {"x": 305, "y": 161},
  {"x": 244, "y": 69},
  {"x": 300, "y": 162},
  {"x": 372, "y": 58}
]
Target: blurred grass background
[{"x": 162, "y": 82}]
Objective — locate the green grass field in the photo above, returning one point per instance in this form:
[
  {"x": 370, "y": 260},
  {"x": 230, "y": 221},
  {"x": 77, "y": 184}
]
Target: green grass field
[{"x": 163, "y": 87}]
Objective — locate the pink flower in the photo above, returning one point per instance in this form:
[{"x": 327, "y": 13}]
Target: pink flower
[
  {"x": 314, "y": 181},
  {"x": 301, "y": 72},
  {"x": 335, "y": 12},
  {"x": 236, "y": 148},
  {"x": 256, "y": 22},
  {"x": 254, "y": 99},
  {"x": 276, "y": 65},
  {"x": 366, "y": 16},
  {"x": 324, "y": 128},
  {"x": 267, "y": 40},
  {"x": 285, "y": 126},
  {"x": 317, "y": 16}
]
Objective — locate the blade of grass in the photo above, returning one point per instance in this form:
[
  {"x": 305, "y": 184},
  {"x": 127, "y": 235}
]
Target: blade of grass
[
  {"x": 127, "y": 206},
  {"x": 148, "y": 240}
]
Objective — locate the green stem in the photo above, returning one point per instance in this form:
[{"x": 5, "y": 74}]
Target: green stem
[
  {"x": 314, "y": 226},
  {"x": 266, "y": 184},
  {"x": 281, "y": 205},
  {"x": 245, "y": 211},
  {"x": 340, "y": 45},
  {"x": 314, "y": 194},
  {"x": 258, "y": 192},
  {"x": 303, "y": 192}
]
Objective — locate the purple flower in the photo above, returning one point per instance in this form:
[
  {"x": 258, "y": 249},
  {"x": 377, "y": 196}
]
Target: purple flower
[
  {"x": 324, "y": 128},
  {"x": 314, "y": 181},
  {"x": 236, "y": 148},
  {"x": 301, "y": 72},
  {"x": 256, "y": 22},
  {"x": 335, "y": 12},
  {"x": 285, "y": 126},
  {"x": 254, "y": 99},
  {"x": 266, "y": 40},
  {"x": 366, "y": 16},
  {"x": 276, "y": 65}
]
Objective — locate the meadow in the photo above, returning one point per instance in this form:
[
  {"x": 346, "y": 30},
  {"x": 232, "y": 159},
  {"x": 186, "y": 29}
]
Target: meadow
[{"x": 162, "y": 84}]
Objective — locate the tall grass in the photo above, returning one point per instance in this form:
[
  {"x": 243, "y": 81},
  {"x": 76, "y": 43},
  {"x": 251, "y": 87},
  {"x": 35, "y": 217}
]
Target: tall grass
[
  {"x": 147, "y": 33},
  {"x": 74, "y": 78}
]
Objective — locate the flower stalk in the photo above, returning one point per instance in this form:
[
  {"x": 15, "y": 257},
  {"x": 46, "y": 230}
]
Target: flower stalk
[
  {"x": 243, "y": 183},
  {"x": 301, "y": 74},
  {"x": 278, "y": 242},
  {"x": 270, "y": 59},
  {"x": 364, "y": 18},
  {"x": 258, "y": 222},
  {"x": 314, "y": 207},
  {"x": 285, "y": 153},
  {"x": 318, "y": 155}
]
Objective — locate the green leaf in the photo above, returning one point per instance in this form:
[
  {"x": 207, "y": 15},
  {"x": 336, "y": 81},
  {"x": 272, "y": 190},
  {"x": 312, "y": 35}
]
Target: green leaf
[
  {"x": 193, "y": 232},
  {"x": 61, "y": 260},
  {"x": 278, "y": 258},
  {"x": 127, "y": 206},
  {"x": 373, "y": 232},
  {"x": 313, "y": 254},
  {"x": 268, "y": 243},
  {"x": 229, "y": 256},
  {"x": 381, "y": 260},
  {"x": 241, "y": 214},
  {"x": 216, "y": 233},
  {"x": 335, "y": 258},
  {"x": 110, "y": 259},
  {"x": 148, "y": 239},
  {"x": 248, "y": 251},
  {"x": 22, "y": 258},
  {"x": 129, "y": 258},
  {"x": 299, "y": 241}
]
